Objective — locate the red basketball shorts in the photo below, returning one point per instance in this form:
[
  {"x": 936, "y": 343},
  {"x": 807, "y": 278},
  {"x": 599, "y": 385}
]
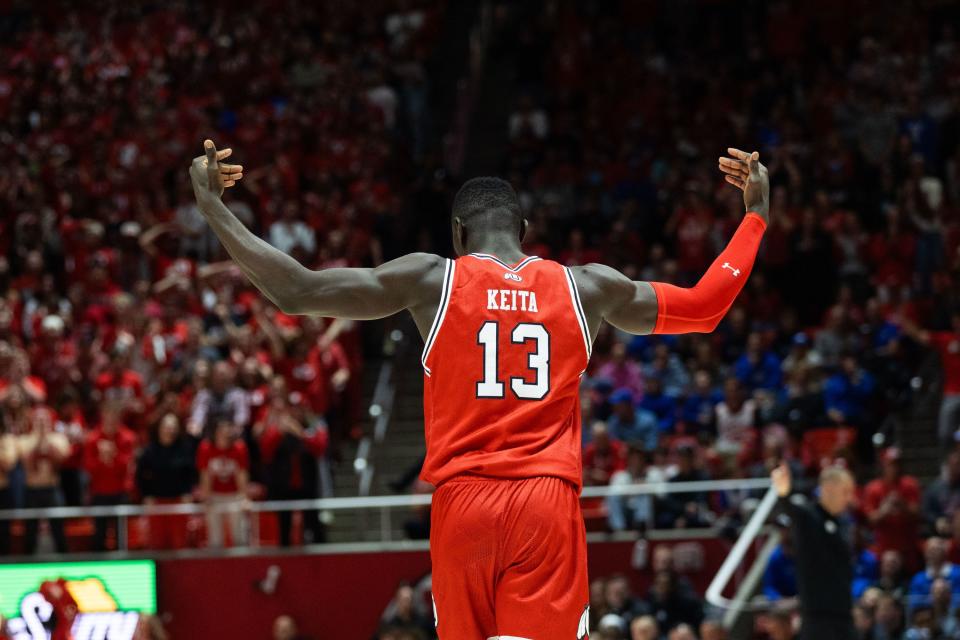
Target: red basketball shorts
[{"x": 509, "y": 560}]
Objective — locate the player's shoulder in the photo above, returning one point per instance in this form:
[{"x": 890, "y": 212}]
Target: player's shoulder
[{"x": 595, "y": 280}]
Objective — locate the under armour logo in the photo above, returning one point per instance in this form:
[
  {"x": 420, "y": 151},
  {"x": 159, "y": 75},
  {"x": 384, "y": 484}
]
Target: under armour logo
[
  {"x": 512, "y": 276},
  {"x": 736, "y": 272},
  {"x": 584, "y": 625}
]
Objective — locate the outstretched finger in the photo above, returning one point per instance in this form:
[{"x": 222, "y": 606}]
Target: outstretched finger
[
  {"x": 737, "y": 182},
  {"x": 738, "y": 154},
  {"x": 731, "y": 162},
  {"x": 223, "y": 154},
  {"x": 227, "y": 169},
  {"x": 733, "y": 168}
]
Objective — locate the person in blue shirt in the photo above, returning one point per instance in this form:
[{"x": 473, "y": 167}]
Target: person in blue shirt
[
  {"x": 758, "y": 367},
  {"x": 780, "y": 576},
  {"x": 658, "y": 403},
  {"x": 667, "y": 366},
  {"x": 631, "y": 424},
  {"x": 935, "y": 553},
  {"x": 697, "y": 410},
  {"x": 847, "y": 392}
]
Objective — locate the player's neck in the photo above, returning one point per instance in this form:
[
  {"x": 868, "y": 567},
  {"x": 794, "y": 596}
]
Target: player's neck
[{"x": 503, "y": 247}]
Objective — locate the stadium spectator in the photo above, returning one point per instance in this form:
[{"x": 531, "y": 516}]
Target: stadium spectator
[
  {"x": 622, "y": 372},
  {"x": 285, "y": 628},
  {"x": 847, "y": 393},
  {"x": 602, "y": 457},
  {"x": 780, "y": 576},
  {"x": 923, "y": 624},
  {"x": 619, "y": 601},
  {"x": 891, "y": 504},
  {"x": 636, "y": 511},
  {"x": 630, "y": 424},
  {"x": 72, "y": 423},
  {"x": 685, "y": 510},
  {"x": 166, "y": 474},
  {"x": 612, "y": 626},
  {"x": 221, "y": 398},
  {"x": 944, "y": 609},
  {"x": 224, "y": 466},
  {"x": 669, "y": 605},
  {"x": 403, "y": 613},
  {"x": 893, "y": 577},
  {"x": 697, "y": 409},
  {"x": 644, "y": 628},
  {"x": 659, "y": 403},
  {"x": 669, "y": 369},
  {"x": 736, "y": 419},
  {"x": 41, "y": 451},
  {"x": 863, "y": 621},
  {"x": 779, "y": 624},
  {"x": 936, "y": 566},
  {"x": 290, "y": 448},
  {"x": 108, "y": 458},
  {"x": 947, "y": 345},
  {"x": 888, "y": 619},
  {"x": 941, "y": 498},
  {"x": 712, "y": 630},
  {"x": 9, "y": 458},
  {"x": 758, "y": 368}
]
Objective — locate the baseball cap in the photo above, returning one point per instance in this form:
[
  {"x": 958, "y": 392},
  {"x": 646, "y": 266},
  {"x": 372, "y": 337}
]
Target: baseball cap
[{"x": 621, "y": 395}]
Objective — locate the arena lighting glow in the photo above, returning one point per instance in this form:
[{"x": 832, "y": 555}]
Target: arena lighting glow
[{"x": 111, "y": 596}]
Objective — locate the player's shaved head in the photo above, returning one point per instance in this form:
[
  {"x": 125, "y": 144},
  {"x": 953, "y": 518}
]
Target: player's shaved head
[{"x": 487, "y": 205}]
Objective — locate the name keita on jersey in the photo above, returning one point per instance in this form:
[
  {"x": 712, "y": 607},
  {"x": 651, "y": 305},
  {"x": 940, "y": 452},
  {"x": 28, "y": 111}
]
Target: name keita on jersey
[{"x": 512, "y": 300}]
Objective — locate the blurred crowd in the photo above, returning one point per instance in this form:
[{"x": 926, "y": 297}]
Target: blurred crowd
[
  {"x": 136, "y": 362},
  {"x": 621, "y": 110}
]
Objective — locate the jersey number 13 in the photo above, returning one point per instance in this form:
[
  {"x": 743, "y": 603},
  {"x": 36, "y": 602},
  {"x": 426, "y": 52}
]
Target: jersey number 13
[{"x": 538, "y": 361}]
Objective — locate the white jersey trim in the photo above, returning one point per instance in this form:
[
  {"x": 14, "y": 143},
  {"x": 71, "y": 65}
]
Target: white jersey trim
[
  {"x": 441, "y": 312},
  {"x": 487, "y": 256},
  {"x": 578, "y": 311}
]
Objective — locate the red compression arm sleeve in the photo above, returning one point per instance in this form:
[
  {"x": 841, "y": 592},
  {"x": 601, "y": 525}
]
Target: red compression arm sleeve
[{"x": 699, "y": 309}]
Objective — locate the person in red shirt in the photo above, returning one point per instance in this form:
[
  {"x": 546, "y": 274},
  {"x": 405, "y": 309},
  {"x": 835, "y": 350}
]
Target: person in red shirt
[
  {"x": 71, "y": 423},
  {"x": 947, "y": 344},
  {"x": 224, "y": 465},
  {"x": 891, "y": 504},
  {"x": 108, "y": 458},
  {"x": 119, "y": 383},
  {"x": 603, "y": 456},
  {"x": 290, "y": 452}
]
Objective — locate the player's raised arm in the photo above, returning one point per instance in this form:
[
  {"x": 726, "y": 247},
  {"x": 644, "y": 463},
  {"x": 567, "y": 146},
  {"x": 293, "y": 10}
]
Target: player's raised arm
[
  {"x": 358, "y": 294},
  {"x": 658, "y": 307}
]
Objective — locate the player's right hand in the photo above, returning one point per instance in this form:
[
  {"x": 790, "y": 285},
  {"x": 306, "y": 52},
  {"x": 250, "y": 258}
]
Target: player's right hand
[
  {"x": 744, "y": 171},
  {"x": 210, "y": 176}
]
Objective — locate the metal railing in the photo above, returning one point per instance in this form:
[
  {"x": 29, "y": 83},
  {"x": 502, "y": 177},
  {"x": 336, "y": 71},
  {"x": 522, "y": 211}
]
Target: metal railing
[
  {"x": 734, "y": 561},
  {"x": 380, "y": 410},
  {"x": 383, "y": 504}
]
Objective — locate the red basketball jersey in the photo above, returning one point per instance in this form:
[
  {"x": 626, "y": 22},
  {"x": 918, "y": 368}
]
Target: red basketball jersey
[{"x": 502, "y": 367}]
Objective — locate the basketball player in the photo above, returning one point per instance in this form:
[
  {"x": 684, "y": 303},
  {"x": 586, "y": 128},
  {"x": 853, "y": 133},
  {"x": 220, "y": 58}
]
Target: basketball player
[{"x": 507, "y": 338}]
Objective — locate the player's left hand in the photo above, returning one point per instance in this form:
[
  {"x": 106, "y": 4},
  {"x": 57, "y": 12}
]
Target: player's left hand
[
  {"x": 744, "y": 171},
  {"x": 209, "y": 175}
]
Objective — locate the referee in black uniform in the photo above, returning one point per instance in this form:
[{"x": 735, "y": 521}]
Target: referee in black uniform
[{"x": 823, "y": 555}]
